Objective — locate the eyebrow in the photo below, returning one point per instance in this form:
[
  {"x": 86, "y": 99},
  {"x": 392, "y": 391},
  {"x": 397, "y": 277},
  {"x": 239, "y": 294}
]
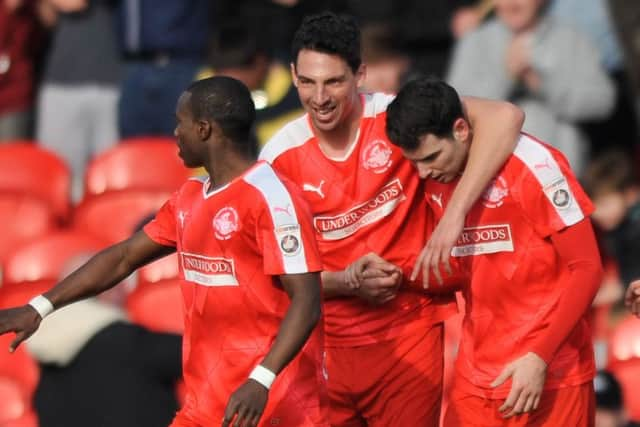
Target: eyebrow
[{"x": 429, "y": 156}]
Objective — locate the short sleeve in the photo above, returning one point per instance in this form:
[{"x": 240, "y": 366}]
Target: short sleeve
[
  {"x": 162, "y": 228},
  {"x": 550, "y": 195},
  {"x": 287, "y": 239}
]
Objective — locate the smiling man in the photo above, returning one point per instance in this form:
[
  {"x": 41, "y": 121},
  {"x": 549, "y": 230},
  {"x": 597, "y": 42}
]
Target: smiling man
[
  {"x": 534, "y": 268},
  {"x": 383, "y": 340}
]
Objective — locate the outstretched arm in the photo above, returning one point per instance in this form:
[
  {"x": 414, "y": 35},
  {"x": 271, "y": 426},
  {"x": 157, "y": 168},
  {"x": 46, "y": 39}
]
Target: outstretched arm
[
  {"x": 103, "y": 271},
  {"x": 247, "y": 403},
  {"x": 496, "y": 128}
]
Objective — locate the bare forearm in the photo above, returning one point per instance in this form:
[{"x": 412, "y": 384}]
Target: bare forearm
[
  {"x": 100, "y": 273},
  {"x": 334, "y": 285},
  {"x": 106, "y": 269},
  {"x": 298, "y": 323},
  {"x": 496, "y": 129}
]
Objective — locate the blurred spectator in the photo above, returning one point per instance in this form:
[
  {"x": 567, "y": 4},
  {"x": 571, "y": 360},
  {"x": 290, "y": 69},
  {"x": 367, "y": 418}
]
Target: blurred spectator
[
  {"x": 420, "y": 27},
  {"x": 77, "y": 105},
  {"x": 626, "y": 15},
  {"x": 609, "y": 403},
  {"x": 387, "y": 64},
  {"x": 164, "y": 42},
  {"x": 614, "y": 187},
  {"x": 552, "y": 72},
  {"x": 19, "y": 42},
  {"x": 237, "y": 51},
  {"x": 468, "y": 18},
  {"x": 99, "y": 370},
  {"x": 593, "y": 18}
]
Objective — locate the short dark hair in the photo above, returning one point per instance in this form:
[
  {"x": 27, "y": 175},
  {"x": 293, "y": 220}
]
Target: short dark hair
[
  {"x": 235, "y": 44},
  {"x": 610, "y": 172},
  {"x": 423, "y": 106},
  {"x": 227, "y": 102},
  {"x": 329, "y": 33}
]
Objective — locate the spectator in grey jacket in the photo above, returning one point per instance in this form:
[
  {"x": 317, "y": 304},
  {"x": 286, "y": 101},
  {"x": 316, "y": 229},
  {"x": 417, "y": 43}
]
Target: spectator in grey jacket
[{"x": 548, "y": 69}]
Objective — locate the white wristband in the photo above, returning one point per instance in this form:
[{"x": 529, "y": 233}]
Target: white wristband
[
  {"x": 42, "y": 305},
  {"x": 263, "y": 375}
]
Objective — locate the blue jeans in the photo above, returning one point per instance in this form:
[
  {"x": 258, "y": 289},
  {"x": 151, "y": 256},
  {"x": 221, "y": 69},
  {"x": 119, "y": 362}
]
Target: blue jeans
[{"x": 149, "y": 95}]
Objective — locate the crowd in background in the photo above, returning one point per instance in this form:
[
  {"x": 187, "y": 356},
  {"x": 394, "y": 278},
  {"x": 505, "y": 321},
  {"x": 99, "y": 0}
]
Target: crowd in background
[{"x": 80, "y": 76}]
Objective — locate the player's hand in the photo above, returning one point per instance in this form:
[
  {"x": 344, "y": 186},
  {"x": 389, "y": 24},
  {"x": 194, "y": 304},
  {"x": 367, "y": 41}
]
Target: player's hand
[
  {"x": 438, "y": 249},
  {"x": 24, "y": 321},
  {"x": 527, "y": 380},
  {"x": 246, "y": 405},
  {"x": 354, "y": 273},
  {"x": 379, "y": 286},
  {"x": 632, "y": 298}
]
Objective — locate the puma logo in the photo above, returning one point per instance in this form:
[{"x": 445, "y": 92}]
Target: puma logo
[
  {"x": 314, "y": 189},
  {"x": 283, "y": 210},
  {"x": 544, "y": 165},
  {"x": 182, "y": 216},
  {"x": 437, "y": 199}
]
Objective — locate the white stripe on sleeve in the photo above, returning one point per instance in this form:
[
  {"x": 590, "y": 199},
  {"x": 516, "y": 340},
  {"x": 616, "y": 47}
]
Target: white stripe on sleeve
[
  {"x": 554, "y": 183},
  {"x": 287, "y": 230}
]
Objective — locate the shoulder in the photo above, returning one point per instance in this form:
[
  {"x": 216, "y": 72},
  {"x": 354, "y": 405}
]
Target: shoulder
[
  {"x": 376, "y": 104},
  {"x": 293, "y": 135},
  {"x": 539, "y": 160}
]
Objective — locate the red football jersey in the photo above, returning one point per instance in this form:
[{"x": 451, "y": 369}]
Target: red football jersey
[
  {"x": 516, "y": 275},
  {"x": 232, "y": 243},
  {"x": 365, "y": 202}
]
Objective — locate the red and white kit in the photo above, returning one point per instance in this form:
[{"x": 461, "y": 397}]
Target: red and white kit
[
  {"x": 517, "y": 279},
  {"x": 367, "y": 201},
  {"x": 232, "y": 244}
]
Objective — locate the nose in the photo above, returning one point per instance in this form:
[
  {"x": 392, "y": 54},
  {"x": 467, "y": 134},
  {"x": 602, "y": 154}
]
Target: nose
[
  {"x": 175, "y": 131},
  {"x": 320, "y": 95},
  {"x": 423, "y": 171}
]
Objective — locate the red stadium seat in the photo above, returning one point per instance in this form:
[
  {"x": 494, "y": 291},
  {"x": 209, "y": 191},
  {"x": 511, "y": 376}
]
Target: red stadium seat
[
  {"x": 162, "y": 269},
  {"x": 113, "y": 216},
  {"x": 47, "y": 256},
  {"x": 624, "y": 362},
  {"x": 28, "y": 419},
  {"x": 14, "y": 402},
  {"x": 137, "y": 164},
  {"x": 28, "y": 168},
  {"x": 22, "y": 219},
  {"x": 157, "y": 306},
  {"x": 625, "y": 341}
]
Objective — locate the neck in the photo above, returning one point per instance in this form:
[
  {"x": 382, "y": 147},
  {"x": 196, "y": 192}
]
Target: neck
[
  {"x": 336, "y": 142},
  {"x": 226, "y": 166}
]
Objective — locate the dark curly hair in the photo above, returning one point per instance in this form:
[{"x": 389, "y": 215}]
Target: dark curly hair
[
  {"x": 423, "y": 106},
  {"x": 329, "y": 33}
]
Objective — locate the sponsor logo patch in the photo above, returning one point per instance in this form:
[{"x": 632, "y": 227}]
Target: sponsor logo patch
[
  {"x": 225, "y": 223},
  {"x": 558, "y": 193},
  {"x": 347, "y": 223},
  {"x": 376, "y": 156},
  {"x": 289, "y": 239},
  {"x": 208, "y": 271},
  {"x": 482, "y": 240}
]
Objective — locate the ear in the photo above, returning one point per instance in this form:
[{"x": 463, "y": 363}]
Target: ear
[
  {"x": 204, "y": 129},
  {"x": 294, "y": 75},
  {"x": 461, "y": 130},
  {"x": 361, "y": 74}
]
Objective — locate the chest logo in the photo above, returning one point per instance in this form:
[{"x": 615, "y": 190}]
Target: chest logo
[
  {"x": 225, "y": 223},
  {"x": 482, "y": 240},
  {"x": 314, "y": 189},
  {"x": 376, "y": 156},
  {"x": 495, "y": 193}
]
